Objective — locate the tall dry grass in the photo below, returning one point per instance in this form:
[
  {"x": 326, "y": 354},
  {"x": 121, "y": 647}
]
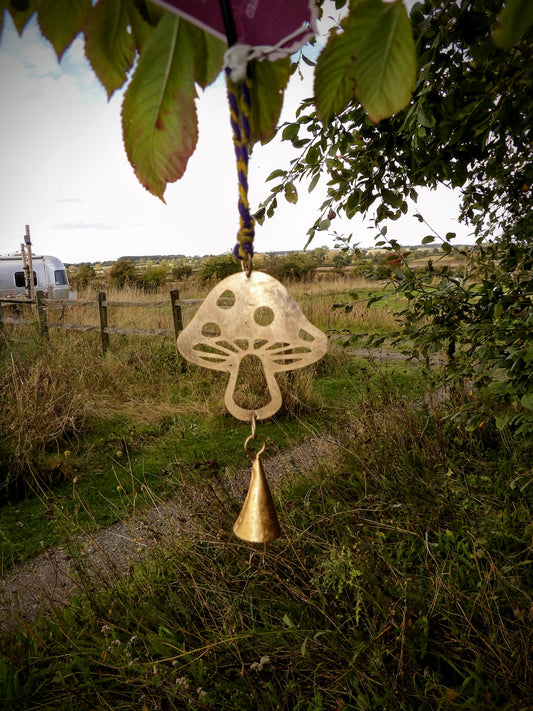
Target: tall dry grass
[{"x": 317, "y": 299}]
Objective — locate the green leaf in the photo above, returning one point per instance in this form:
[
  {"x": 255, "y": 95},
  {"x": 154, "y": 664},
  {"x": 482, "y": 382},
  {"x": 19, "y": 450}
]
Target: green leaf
[
  {"x": 159, "y": 114},
  {"x": 291, "y": 194},
  {"x": 313, "y": 155},
  {"x": 61, "y": 21},
  {"x": 514, "y": 21},
  {"x": 386, "y": 63},
  {"x": 374, "y": 58},
  {"x": 392, "y": 197},
  {"x": 278, "y": 173},
  {"x": 141, "y": 28},
  {"x": 501, "y": 423},
  {"x": 269, "y": 80},
  {"x": 446, "y": 248},
  {"x": 527, "y": 401},
  {"x": 21, "y": 13},
  {"x": 334, "y": 78},
  {"x": 288, "y": 622},
  {"x": 428, "y": 239},
  {"x": 109, "y": 47},
  {"x": 425, "y": 119},
  {"x": 313, "y": 183},
  {"x": 209, "y": 51},
  {"x": 289, "y": 132}
]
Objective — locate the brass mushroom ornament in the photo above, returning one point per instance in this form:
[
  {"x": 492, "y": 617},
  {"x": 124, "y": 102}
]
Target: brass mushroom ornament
[{"x": 251, "y": 313}]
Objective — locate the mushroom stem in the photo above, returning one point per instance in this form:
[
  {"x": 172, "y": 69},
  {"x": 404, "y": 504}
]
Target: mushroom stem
[{"x": 261, "y": 413}]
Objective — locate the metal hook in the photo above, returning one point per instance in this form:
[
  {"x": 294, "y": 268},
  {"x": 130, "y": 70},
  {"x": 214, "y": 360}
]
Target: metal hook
[
  {"x": 251, "y": 455},
  {"x": 246, "y": 265}
]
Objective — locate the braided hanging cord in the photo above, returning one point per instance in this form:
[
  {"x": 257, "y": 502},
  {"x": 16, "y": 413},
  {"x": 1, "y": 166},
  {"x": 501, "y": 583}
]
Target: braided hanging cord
[{"x": 240, "y": 124}]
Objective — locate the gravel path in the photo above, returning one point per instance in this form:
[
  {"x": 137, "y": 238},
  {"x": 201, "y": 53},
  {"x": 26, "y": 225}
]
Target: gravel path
[{"x": 50, "y": 580}]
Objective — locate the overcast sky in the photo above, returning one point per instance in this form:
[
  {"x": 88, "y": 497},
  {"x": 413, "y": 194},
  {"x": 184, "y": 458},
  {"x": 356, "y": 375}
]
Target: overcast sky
[{"x": 64, "y": 171}]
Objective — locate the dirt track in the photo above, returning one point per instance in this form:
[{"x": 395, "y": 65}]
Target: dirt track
[{"x": 48, "y": 582}]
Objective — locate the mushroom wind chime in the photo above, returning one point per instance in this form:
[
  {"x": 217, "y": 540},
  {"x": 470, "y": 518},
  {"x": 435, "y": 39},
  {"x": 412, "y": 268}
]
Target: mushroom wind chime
[{"x": 251, "y": 313}]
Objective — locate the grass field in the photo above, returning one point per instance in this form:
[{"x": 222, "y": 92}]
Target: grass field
[{"x": 402, "y": 579}]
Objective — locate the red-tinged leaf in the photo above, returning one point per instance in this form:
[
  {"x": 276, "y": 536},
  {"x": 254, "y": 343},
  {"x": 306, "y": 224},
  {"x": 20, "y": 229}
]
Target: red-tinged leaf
[
  {"x": 21, "y": 12},
  {"x": 61, "y": 21},
  {"x": 109, "y": 46},
  {"x": 159, "y": 114}
]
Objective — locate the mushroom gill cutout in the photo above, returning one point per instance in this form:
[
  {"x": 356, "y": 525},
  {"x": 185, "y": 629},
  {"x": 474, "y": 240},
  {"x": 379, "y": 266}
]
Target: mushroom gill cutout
[{"x": 251, "y": 315}]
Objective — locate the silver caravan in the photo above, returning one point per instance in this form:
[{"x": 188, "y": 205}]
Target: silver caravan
[{"x": 49, "y": 276}]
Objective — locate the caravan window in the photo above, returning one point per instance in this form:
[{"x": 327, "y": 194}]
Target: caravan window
[
  {"x": 60, "y": 276},
  {"x": 20, "y": 281}
]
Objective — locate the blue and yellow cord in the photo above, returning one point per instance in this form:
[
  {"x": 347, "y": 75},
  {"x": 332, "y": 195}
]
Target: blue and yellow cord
[{"x": 240, "y": 124}]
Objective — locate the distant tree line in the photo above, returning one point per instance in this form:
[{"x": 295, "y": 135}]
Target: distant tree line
[{"x": 148, "y": 275}]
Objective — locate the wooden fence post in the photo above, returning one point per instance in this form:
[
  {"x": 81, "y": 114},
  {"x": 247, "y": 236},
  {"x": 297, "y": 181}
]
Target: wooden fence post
[
  {"x": 102, "y": 310},
  {"x": 41, "y": 313},
  {"x": 176, "y": 311}
]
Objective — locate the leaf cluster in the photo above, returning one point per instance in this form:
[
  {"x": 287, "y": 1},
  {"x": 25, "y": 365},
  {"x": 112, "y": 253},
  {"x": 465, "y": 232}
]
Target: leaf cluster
[
  {"x": 468, "y": 126},
  {"x": 162, "y": 58}
]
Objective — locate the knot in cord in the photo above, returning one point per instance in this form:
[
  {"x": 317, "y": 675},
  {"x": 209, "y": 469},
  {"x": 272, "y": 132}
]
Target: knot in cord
[{"x": 240, "y": 124}]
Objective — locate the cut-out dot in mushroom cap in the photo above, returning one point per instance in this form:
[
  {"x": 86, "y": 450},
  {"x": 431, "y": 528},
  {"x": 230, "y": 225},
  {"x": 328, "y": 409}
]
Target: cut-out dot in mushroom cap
[{"x": 248, "y": 310}]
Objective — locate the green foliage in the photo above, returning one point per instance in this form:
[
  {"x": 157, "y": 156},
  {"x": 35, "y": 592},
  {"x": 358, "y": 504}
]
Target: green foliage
[
  {"x": 514, "y": 21},
  {"x": 373, "y": 59},
  {"x": 61, "y": 22},
  {"x": 171, "y": 56},
  {"x": 295, "y": 266},
  {"x": 401, "y": 581},
  {"x": 468, "y": 126},
  {"x": 159, "y": 139},
  {"x": 484, "y": 321},
  {"x": 109, "y": 47},
  {"x": 218, "y": 267},
  {"x": 123, "y": 273},
  {"x": 82, "y": 276},
  {"x": 153, "y": 278},
  {"x": 180, "y": 271}
]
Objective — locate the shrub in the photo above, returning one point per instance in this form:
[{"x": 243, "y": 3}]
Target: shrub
[
  {"x": 218, "y": 267},
  {"x": 123, "y": 273},
  {"x": 152, "y": 278},
  {"x": 181, "y": 271},
  {"x": 82, "y": 276}
]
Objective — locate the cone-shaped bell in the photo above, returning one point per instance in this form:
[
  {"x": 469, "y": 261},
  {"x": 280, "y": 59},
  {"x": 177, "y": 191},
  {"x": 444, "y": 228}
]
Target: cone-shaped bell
[{"x": 258, "y": 521}]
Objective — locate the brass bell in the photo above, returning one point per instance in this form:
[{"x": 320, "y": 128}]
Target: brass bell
[{"x": 258, "y": 521}]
